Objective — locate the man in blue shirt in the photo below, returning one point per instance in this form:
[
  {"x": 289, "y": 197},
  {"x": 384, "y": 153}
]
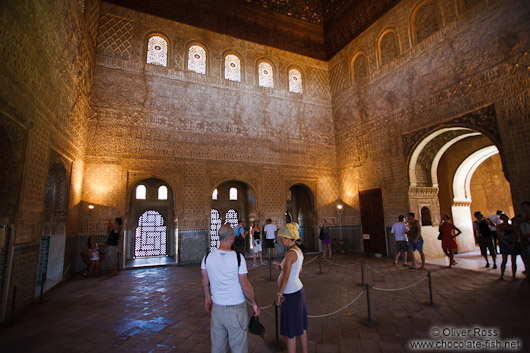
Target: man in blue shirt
[{"x": 239, "y": 235}]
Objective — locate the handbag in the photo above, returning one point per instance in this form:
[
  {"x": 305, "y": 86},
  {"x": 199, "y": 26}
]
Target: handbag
[
  {"x": 441, "y": 235},
  {"x": 321, "y": 235}
]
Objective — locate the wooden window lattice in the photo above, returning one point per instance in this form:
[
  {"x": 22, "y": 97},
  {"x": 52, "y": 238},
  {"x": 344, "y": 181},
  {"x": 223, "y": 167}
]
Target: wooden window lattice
[
  {"x": 215, "y": 224},
  {"x": 360, "y": 70},
  {"x": 197, "y": 59},
  {"x": 151, "y": 235},
  {"x": 232, "y": 68},
  {"x": 388, "y": 48},
  {"x": 157, "y": 51},
  {"x": 425, "y": 22}
]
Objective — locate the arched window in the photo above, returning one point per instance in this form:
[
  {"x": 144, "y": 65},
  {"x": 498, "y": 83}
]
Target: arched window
[
  {"x": 233, "y": 194},
  {"x": 151, "y": 235},
  {"x": 214, "y": 195},
  {"x": 425, "y": 22},
  {"x": 215, "y": 224},
  {"x": 295, "y": 81},
  {"x": 157, "y": 51},
  {"x": 388, "y": 47},
  {"x": 232, "y": 68},
  {"x": 426, "y": 216},
  {"x": 231, "y": 218},
  {"x": 265, "y": 75},
  {"x": 162, "y": 193},
  {"x": 360, "y": 68},
  {"x": 197, "y": 59},
  {"x": 141, "y": 192}
]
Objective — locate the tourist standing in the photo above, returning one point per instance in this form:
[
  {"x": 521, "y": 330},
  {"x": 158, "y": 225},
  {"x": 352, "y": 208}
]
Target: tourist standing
[
  {"x": 415, "y": 239},
  {"x": 225, "y": 285},
  {"x": 240, "y": 234},
  {"x": 271, "y": 234},
  {"x": 484, "y": 238},
  {"x": 325, "y": 238},
  {"x": 399, "y": 230},
  {"x": 113, "y": 240},
  {"x": 256, "y": 243},
  {"x": 508, "y": 245},
  {"x": 449, "y": 246},
  {"x": 291, "y": 296}
]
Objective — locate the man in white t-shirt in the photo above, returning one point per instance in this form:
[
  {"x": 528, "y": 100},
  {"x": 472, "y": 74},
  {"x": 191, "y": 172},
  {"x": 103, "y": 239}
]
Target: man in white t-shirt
[
  {"x": 271, "y": 237},
  {"x": 493, "y": 221},
  {"x": 225, "y": 277},
  {"x": 399, "y": 230}
]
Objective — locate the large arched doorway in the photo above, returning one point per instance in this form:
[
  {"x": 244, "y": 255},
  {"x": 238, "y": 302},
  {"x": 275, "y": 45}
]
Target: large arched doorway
[
  {"x": 450, "y": 171},
  {"x": 53, "y": 239},
  {"x": 152, "y": 235},
  {"x": 230, "y": 201},
  {"x": 300, "y": 209}
]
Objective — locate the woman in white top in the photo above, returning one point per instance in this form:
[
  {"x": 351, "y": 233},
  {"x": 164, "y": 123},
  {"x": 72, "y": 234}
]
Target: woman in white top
[{"x": 291, "y": 294}]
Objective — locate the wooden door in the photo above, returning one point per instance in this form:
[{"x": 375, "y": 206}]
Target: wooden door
[{"x": 373, "y": 221}]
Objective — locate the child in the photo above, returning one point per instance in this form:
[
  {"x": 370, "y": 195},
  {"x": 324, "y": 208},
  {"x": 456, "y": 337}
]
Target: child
[{"x": 92, "y": 250}]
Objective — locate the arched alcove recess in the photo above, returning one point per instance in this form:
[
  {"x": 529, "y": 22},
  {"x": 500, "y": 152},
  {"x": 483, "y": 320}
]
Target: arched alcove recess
[
  {"x": 300, "y": 206},
  {"x": 53, "y": 240},
  {"x": 151, "y": 217},
  {"x": 245, "y": 206},
  {"x": 441, "y": 163}
]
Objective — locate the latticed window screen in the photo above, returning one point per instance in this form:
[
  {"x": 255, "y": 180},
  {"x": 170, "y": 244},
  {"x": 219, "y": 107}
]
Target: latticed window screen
[
  {"x": 231, "y": 218},
  {"x": 232, "y": 68},
  {"x": 197, "y": 59},
  {"x": 360, "y": 70},
  {"x": 215, "y": 224},
  {"x": 425, "y": 22},
  {"x": 157, "y": 51},
  {"x": 388, "y": 48},
  {"x": 151, "y": 235},
  {"x": 265, "y": 75},
  {"x": 295, "y": 81}
]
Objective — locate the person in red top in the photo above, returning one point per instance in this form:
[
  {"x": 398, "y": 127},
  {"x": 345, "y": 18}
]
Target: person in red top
[{"x": 448, "y": 239}]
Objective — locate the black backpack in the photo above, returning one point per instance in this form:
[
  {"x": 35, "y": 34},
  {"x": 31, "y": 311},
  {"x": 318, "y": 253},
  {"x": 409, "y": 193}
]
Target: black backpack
[{"x": 484, "y": 229}]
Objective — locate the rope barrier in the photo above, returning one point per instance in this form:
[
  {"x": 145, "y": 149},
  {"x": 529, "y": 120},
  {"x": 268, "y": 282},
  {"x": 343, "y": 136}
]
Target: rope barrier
[
  {"x": 336, "y": 264},
  {"x": 344, "y": 307},
  {"x": 398, "y": 289},
  {"x": 382, "y": 274},
  {"x": 308, "y": 262}
]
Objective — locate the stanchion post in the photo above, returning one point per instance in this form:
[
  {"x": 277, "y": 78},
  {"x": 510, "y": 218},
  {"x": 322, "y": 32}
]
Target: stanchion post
[
  {"x": 431, "y": 302},
  {"x": 368, "y": 303},
  {"x": 319, "y": 265},
  {"x": 362, "y": 274},
  {"x": 276, "y": 328},
  {"x": 368, "y": 323}
]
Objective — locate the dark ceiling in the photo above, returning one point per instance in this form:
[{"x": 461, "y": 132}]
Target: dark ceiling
[{"x": 314, "y": 28}]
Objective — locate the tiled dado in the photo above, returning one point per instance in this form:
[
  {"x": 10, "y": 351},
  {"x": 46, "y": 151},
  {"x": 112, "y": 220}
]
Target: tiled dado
[
  {"x": 193, "y": 245},
  {"x": 26, "y": 256}
]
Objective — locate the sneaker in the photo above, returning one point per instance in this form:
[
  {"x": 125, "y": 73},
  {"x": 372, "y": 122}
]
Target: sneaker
[
  {"x": 494, "y": 266},
  {"x": 487, "y": 265},
  {"x": 253, "y": 265}
]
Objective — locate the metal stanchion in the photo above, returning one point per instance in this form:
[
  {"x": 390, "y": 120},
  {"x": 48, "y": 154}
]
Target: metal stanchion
[
  {"x": 368, "y": 323},
  {"x": 276, "y": 345},
  {"x": 319, "y": 265},
  {"x": 431, "y": 302},
  {"x": 362, "y": 274},
  {"x": 270, "y": 269}
]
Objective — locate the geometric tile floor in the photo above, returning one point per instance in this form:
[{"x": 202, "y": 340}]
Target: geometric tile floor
[{"x": 160, "y": 309}]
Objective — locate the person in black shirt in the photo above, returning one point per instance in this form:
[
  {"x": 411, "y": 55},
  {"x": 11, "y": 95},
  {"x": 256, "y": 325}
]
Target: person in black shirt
[{"x": 114, "y": 231}]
